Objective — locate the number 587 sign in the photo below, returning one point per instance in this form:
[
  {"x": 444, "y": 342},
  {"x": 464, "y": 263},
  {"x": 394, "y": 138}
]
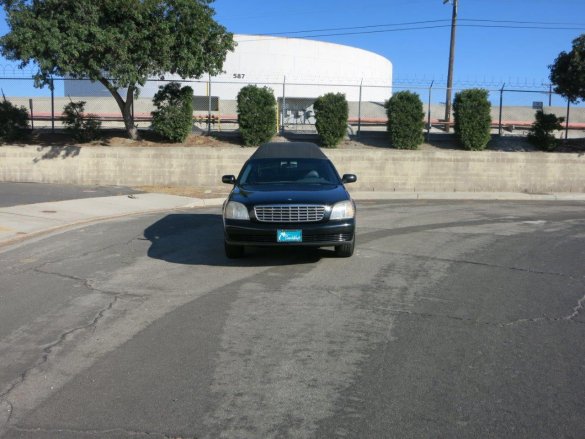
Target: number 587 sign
[{"x": 239, "y": 75}]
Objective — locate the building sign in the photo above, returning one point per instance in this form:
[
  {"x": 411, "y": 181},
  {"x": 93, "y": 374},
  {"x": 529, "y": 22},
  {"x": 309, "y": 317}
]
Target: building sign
[{"x": 537, "y": 105}]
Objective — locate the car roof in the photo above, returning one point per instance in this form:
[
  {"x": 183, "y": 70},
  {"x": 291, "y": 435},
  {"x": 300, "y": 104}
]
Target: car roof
[{"x": 290, "y": 150}]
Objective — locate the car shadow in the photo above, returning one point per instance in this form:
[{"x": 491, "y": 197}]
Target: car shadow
[{"x": 197, "y": 239}]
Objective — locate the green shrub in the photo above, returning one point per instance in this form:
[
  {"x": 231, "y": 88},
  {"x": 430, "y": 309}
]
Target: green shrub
[
  {"x": 471, "y": 109},
  {"x": 541, "y": 132},
  {"x": 83, "y": 127},
  {"x": 331, "y": 113},
  {"x": 405, "y": 120},
  {"x": 13, "y": 121},
  {"x": 173, "y": 117},
  {"x": 256, "y": 114}
]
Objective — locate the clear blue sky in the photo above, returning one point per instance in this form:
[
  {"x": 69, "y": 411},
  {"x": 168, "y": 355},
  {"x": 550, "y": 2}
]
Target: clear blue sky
[{"x": 482, "y": 54}]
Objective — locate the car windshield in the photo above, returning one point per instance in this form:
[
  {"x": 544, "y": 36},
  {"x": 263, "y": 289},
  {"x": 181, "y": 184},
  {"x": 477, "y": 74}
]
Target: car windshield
[{"x": 297, "y": 171}]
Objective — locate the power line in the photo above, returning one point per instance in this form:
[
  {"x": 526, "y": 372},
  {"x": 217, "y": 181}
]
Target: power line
[
  {"x": 354, "y": 27},
  {"x": 493, "y": 26},
  {"x": 504, "y": 24},
  {"x": 524, "y": 22}
]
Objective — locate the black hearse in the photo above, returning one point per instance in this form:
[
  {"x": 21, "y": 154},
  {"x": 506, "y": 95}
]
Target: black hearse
[{"x": 289, "y": 194}]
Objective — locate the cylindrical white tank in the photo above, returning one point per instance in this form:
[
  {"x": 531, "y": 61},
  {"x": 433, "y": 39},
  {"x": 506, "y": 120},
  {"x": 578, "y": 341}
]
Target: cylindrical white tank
[{"x": 307, "y": 68}]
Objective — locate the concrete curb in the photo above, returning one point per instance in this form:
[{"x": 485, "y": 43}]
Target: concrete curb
[
  {"x": 479, "y": 196},
  {"x": 206, "y": 202}
]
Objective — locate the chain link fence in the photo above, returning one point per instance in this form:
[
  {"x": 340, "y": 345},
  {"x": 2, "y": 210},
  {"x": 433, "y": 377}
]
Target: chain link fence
[{"x": 215, "y": 105}]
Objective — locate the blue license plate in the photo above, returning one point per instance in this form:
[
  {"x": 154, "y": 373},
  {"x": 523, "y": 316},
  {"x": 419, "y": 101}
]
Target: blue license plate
[{"x": 289, "y": 235}]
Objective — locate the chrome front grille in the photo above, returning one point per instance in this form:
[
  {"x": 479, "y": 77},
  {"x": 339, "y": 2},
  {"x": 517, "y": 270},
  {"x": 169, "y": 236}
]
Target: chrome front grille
[{"x": 290, "y": 213}]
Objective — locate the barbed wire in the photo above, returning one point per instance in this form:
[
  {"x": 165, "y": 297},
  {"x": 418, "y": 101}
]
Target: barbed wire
[
  {"x": 14, "y": 72},
  {"x": 8, "y": 70},
  {"x": 521, "y": 83}
]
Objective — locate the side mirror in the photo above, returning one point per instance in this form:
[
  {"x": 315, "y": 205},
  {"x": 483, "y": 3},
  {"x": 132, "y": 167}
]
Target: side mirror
[
  {"x": 228, "y": 179},
  {"x": 349, "y": 178}
]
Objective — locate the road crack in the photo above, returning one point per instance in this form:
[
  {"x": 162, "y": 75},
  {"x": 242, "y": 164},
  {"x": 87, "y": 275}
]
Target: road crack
[
  {"x": 62, "y": 338},
  {"x": 100, "y": 433},
  {"x": 399, "y": 311},
  {"x": 82, "y": 255},
  {"x": 463, "y": 261},
  {"x": 87, "y": 283},
  {"x": 49, "y": 349},
  {"x": 576, "y": 310}
]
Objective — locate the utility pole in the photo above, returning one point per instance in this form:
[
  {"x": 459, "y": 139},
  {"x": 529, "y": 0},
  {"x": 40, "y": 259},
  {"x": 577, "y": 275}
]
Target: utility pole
[{"x": 451, "y": 59}]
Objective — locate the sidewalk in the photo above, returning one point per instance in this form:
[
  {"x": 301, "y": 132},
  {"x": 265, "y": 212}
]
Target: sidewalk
[{"x": 29, "y": 220}]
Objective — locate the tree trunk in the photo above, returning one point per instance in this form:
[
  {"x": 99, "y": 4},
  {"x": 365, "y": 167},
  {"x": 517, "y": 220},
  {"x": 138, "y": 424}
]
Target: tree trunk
[
  {"x": 125, "y": 107},
  {"x": 129, "y": 114}
]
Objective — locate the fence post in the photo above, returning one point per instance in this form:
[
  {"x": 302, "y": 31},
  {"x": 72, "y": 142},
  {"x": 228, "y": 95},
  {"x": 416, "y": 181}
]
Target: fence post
[
  {"x": 429, "y": 112},
  {"x": 32, "y": 114},
  {"x": 567, "y": 120},
  {"x": 282, "y": 110},
  {"x": 52, "y": 85},
  {"x": 360, "y": 109},
  {"x": 209, "y": 105},
  {"x": 501, "y": 104},
  {"x": 277, "y": 116}
]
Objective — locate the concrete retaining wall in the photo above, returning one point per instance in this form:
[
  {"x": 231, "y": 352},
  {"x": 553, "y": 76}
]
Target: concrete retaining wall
[{"x": 377, "y": 170}]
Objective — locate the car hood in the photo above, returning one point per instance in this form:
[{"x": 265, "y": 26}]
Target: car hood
[{"x": 289, "y": 194}]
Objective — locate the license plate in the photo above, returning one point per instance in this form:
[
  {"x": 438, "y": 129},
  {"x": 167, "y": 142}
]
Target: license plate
[{"x": 289, "y": 235}]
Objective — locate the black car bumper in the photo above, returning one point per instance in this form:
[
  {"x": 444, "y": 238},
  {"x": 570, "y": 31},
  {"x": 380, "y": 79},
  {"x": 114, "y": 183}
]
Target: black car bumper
[{"x": 313, "y": 234}]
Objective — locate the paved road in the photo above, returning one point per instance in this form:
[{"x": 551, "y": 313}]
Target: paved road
[
  {"x": 13, "y": 194},
  {"x": 452, "y": 320}
]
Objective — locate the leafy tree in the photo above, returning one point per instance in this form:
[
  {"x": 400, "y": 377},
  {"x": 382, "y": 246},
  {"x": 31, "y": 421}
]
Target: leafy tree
[
  {"x": 120, "y": 43},
  {"x": 567, "y": 73}
]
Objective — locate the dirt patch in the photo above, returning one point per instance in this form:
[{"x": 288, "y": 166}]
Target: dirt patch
[
  {"x": 368, "y": 140},
  {"x": 572, "y": 145},
  {"x": 149, "y": 139},
  {"x": 114, "y": 137}
]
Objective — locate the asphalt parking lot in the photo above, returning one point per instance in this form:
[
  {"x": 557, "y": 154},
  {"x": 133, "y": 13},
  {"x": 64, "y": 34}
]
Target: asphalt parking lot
[{"x": 453, "y": 319}]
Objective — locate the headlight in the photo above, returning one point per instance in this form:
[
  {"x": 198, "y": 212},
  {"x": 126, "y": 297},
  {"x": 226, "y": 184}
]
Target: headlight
[
  {"x": 342, "y": 210},
  {"x": 237, "y": 211}
]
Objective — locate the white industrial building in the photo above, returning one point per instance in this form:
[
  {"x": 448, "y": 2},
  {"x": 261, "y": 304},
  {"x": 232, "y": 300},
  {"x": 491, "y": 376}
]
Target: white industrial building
[{"x": 299, "y": 68}]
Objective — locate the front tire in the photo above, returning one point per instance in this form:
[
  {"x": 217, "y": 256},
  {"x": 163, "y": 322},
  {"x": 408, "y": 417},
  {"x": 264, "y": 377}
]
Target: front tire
[
  {"x": 345, "y": 250},
  {"x": 233, "y": 251}
]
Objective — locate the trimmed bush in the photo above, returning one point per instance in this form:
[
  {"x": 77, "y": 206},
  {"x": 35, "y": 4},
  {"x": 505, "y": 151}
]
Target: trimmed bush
[
  {"x": 541, "y": 132},
  {"x": 83, "y": 127},
  {"x": 331, "y": 113},
  {"x": 471, "y": 109},
  {"x": 13, "y": 121},
  {"x": 173, "y": 117},
  {"x": 256, "y": 114},
  {"x": 405, "y": 120}
]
